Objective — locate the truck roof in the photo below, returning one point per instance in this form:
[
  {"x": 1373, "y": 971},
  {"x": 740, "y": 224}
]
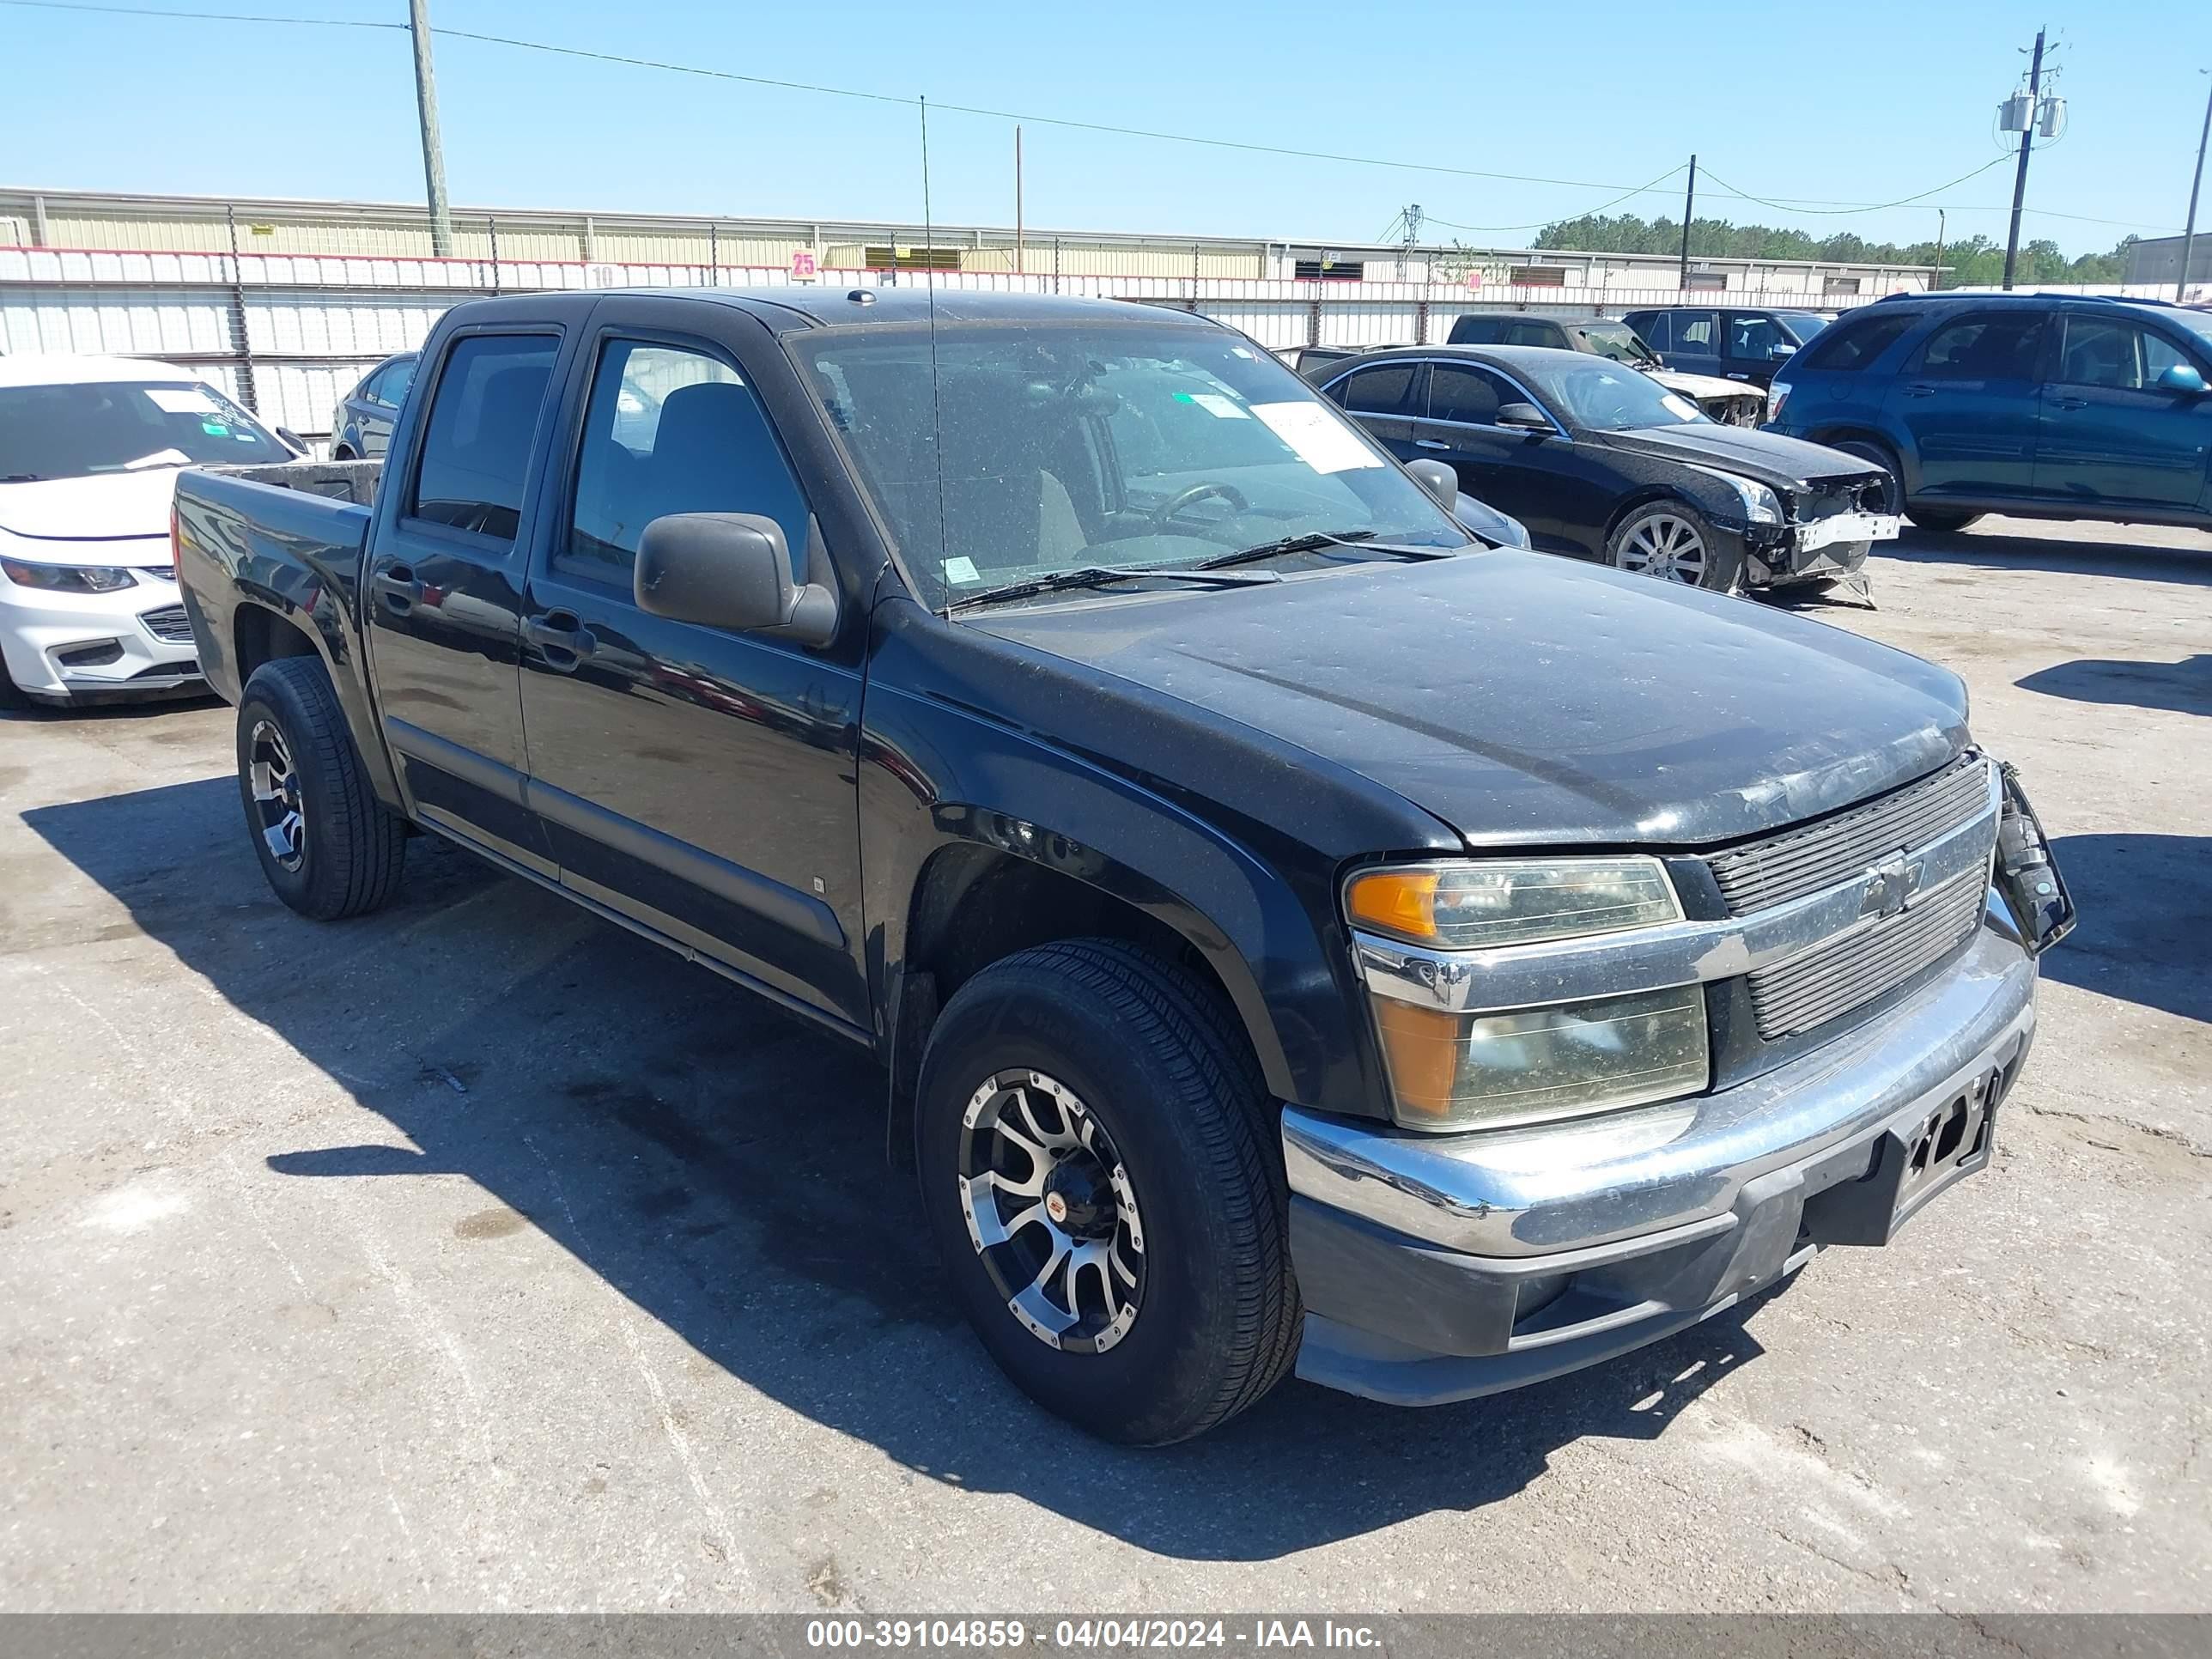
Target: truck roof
[{"x": 786, "y": 309}]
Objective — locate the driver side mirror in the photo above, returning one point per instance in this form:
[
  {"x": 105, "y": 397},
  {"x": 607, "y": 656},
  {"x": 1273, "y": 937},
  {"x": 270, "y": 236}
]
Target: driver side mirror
[
  {"x": 730, "y": 570},
  {"x": 1780, "y": 349},
  {"x": 1524, "y": 415},
  {"x": 2184, "y": 378},
  {"x": 292, "y": 440},
  {"x": 1439, "y": 480}
]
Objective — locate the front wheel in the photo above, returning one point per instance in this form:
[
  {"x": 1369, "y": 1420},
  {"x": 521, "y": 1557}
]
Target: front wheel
[
  {"x": 1941, "y": 520},
  {"x": 1674, "y": 542},
  {"x": 329, "y": 847},
  {"x": 1095, "y": 1149}
]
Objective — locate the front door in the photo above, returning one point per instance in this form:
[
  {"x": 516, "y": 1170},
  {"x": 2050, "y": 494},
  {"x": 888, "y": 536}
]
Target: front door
[
  {"x": 1498, "y": 466},
  {"x": 1968, "y": 399},
  {"x": 1697, "y": 342},
  {"x": 1755, "y": 347},
  {"x": 445, "y": 589},
  {"x": 697, "y": 781},
  {"x": 2112, "y": 436}
]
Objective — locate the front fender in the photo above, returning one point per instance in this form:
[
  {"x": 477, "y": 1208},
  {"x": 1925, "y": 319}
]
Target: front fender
[{"x": 934, "y": 777}]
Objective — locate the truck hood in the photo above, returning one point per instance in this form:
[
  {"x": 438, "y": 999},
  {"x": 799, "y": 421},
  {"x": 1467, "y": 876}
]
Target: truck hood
[
  {"x": 105, "y": 506},
  {"x": 1530, "y": 701},
  {"x": 1767, "y": 457}
]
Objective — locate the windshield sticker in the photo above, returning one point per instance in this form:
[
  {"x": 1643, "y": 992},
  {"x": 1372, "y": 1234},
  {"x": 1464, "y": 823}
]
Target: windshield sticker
[
  {"x": 1221, "y": 408},
  {"x": 1315, "y": 434},
  {"x": 961, "y": 569},
  {"x": 214, "y": 429},
  {"x": 180, "y": 400},
  {"x": 1679, "y": 406}
]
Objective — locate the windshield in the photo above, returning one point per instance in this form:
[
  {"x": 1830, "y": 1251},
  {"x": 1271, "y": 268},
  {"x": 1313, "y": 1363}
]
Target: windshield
[
  {"x": 75, "y": 430},
  {"x": 1612, "y": 398},
  {"x": 1076, "y": 443},
  {"x": 1802, "y": 325},
  {"x": 1618, "y": 341}
]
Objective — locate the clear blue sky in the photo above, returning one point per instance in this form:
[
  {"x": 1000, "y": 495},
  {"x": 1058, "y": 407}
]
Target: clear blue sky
[{"x": 1863, "y": 103}]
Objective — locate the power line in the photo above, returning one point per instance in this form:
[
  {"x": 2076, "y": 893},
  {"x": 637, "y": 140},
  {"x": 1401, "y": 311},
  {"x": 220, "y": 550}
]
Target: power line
[{"x": 1823, "y": 206}]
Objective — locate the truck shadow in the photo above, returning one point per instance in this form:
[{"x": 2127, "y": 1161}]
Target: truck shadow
[
  {"x": 720, "y": 1164},
  {"x": 1993, "y": 551},
  {"x": 2182, "y": 687},
  {"x": 2146, "y": 906}
]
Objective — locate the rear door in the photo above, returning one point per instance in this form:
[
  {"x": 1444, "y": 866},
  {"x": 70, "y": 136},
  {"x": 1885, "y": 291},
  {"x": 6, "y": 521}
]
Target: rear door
[
  {"x": 1697, "y": 342},
  {"x": 1387, "y": 397},
  {"x": 445, "y": 582},
  {"x": 699, "y": 781},
  {"x": 1968, "y": 402},
  {"x": 2110, "y": 435}
]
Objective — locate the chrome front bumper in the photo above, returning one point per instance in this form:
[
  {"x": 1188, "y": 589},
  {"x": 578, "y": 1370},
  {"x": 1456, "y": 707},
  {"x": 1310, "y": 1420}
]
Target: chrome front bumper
[{"x": 1439, "y": 1268}]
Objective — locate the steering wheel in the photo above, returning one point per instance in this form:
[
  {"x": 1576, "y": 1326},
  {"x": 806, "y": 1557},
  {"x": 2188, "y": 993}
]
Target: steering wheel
[{"x": 1164, "y": 514}]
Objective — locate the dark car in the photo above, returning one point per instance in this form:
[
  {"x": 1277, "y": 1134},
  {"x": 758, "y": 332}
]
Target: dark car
[
  {"x": 1734, "y": 344},
  {"x": 1601, "y": 461},
  {"x": 1316, "y": 362},
  {"x": 1293, "y": 934},
  {"x": 361, "y": 425},
  {"x": 1725, "y": 401},
  {"x": 2048, "y": 406}
]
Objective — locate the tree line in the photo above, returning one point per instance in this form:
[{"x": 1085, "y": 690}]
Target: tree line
[{"x": 1969, "y": 262}]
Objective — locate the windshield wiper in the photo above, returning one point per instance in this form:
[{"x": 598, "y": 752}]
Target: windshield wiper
[
  {"x": 1361, "y": 539},
  {"x": 1095, "y": 575}
]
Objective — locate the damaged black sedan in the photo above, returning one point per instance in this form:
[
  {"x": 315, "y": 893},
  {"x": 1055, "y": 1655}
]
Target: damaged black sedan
[{"x": 1601, "y": 462}]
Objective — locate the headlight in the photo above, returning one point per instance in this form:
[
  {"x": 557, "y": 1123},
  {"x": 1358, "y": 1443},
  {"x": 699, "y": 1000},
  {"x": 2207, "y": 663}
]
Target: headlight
[
  {"x": 1452, "y": 1069},
  {"x": 1465, "y": 907},
  {"x": 66, "y": 578},
  {"x": 1760, "y": 504}
]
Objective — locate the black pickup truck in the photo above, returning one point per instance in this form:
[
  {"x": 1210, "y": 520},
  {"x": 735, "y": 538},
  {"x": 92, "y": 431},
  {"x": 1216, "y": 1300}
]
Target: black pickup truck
[{"x": 1295, "y": 934}]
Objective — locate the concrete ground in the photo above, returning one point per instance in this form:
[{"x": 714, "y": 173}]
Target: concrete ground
[{"x": 476, "y": 1256}]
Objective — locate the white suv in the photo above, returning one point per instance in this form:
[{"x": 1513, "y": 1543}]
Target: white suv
[{"x": 89, "y": 449}]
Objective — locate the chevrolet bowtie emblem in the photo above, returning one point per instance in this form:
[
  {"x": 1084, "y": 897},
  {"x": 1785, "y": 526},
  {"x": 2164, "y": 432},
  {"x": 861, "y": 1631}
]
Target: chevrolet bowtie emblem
[{"x": 1889, "y": 887}]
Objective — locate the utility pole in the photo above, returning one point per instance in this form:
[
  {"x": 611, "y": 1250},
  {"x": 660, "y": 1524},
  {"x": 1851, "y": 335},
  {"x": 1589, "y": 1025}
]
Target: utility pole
[
  {"x": 1940, "y": 225},
  {"x": 1689, "y": 207},
  {"x": 426, "y": 107},
  {"x": 2026, "y": 139},
  {"x": 2196, "y": 182},
  {"x": 1017, "y": 198}
]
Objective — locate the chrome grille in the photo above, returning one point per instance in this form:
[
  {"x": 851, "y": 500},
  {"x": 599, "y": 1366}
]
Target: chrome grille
[
  {"x": 168, "y": 624},
  {"x": 1837, "y": 977},
  {"x": 1796, "y": 862}
]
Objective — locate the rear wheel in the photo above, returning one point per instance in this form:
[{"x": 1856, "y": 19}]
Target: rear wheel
[
  {"x": 1880, "y": 455},
  {"x": 329, "y": 847},
  {"x": 1674, "y": 542},
  {"x": 1095, "y": 1151},
  {"x": 1941, "y": 520}
]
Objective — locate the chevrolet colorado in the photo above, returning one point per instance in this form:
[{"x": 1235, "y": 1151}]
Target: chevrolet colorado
[{"x": 1295, "y": 935}]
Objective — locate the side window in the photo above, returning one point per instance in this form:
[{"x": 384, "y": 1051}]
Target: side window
[
  {"x": 2099, "y": 351},
  {"x": 1472, "y": 330},
  {"x": 2160, "y": 355},
  {"x": 1984, "y": 348},
  {"x": 1468, "y": 395},
  {"x": 476, "y": 449},
  {"x": 670, "y": 430},
  {"x": 1751, "y": 336},
  {"x": 392, "y": 385},
  {"x": 1857, "y": 342},
  {"x": 1654, "y": 328},
  {"x": 1699, "y": 332},
  {"x": 1535, "y": 334},
  {"x": 1386, "y": 389}
]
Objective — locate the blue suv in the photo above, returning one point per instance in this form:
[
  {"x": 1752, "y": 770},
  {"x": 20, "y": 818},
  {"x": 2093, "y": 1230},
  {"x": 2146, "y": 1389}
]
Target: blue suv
[{"x": 2049, "y": 406}]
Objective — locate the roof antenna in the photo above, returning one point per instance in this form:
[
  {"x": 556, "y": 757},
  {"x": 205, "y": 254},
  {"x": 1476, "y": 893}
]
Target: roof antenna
[{"x": 936, "y": 397}]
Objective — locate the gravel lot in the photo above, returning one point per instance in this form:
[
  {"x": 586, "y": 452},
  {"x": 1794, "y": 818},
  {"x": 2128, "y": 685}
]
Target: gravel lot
[{"x": 478, "y": 1256}]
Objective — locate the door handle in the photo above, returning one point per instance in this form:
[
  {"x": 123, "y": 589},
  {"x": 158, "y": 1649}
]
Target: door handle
[
  {"x": 2071, "y": 403},
  {"x": 1733, "y": 375},
  {"x": 560, "y": 631},
  {"x": 1920, "y": 389},
  {"x": 396, "y": 584},
  {"x": 1430, "y": 443}
]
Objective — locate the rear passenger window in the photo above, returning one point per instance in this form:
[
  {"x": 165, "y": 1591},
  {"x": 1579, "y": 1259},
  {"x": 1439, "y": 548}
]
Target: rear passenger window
[
  {"x": 669, "y": 430},
  {"x": 1984, "y": 348},
  {"x": 476, "y": 450},
  {"x": 1535, "y": 334},
  {"x": 1383, "y": 390},
  {"x": 1655, "y": 330},
  {"x": 1857, "y": 341},
  {"x": 1699, "y": 332}
]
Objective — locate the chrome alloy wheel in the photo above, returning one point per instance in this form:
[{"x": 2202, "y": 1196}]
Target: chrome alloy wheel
[
  {"x": 277, "y": 797},
  {"x": 1663, "y": 545},
  {"x": 1051, "y": 1211}
]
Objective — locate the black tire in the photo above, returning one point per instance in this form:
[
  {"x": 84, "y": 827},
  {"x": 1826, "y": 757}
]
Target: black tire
[
  {"x": 12, "y": 696},
  {"x": 349, "y": 859},
  {"x": 1880, "y": 455},
  {"x": 1941, "y": 520},
  {"x": 344, "y": 453},
  {"x": 1157, "y": 1063},
  {"x": 1721, "y": 563}
]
